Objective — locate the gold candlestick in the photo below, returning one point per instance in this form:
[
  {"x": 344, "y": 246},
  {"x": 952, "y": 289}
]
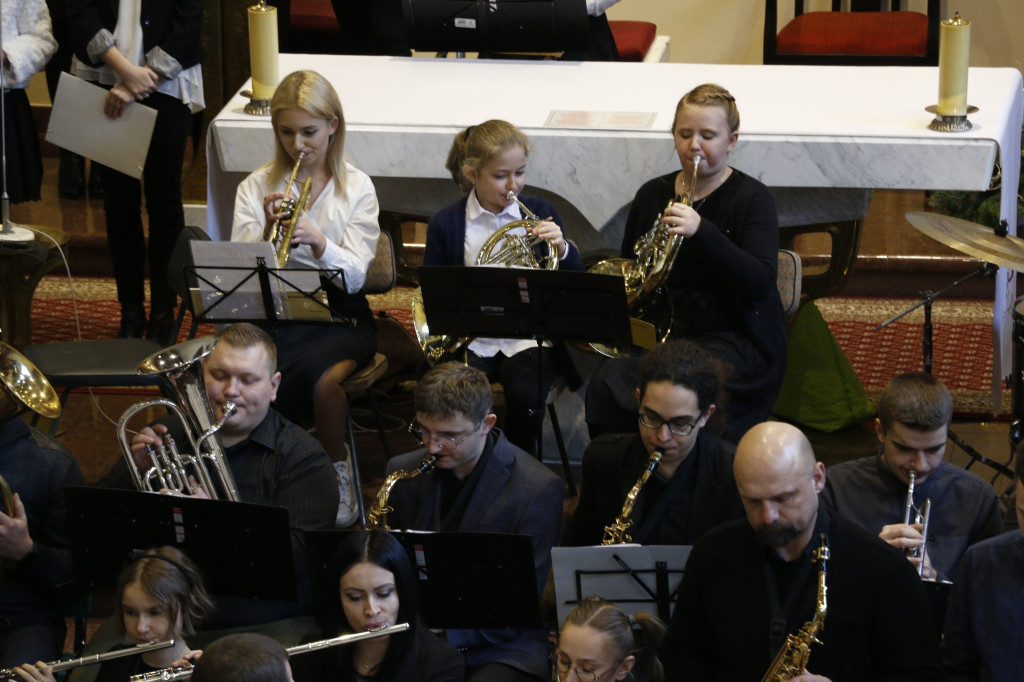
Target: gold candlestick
[
  {"x": 954, "y": 59},
  {"x": 263, "y": 58}
]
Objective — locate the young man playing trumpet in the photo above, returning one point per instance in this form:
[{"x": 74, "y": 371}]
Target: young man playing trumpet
[
  {"x": 692, "y": 489},
  {"x": 914, "y": 412},
  {"x": 273, "y": 461}
]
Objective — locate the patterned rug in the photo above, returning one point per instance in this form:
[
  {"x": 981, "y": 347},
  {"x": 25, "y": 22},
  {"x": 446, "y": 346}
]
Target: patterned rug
[{"x": 962, "y": 336}]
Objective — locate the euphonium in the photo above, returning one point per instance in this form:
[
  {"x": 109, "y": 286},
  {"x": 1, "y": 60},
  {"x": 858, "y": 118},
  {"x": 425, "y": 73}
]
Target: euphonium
[
  {"x": 501, "y": 248},
  {"x": 377, "y": 515},
  {"x": 616, "y": 534},
  {"x": 182, "y": 367},
  {"x": 792, "y": 658},
  {"x": 281, "y": 237},
  {"x": 914, "y": 514},
  {"x": 185, "y": 672},
  {"x": 22, "y": 387},
  {"x": 57, "y": 666},
  {"x": 656, "y": 252}
]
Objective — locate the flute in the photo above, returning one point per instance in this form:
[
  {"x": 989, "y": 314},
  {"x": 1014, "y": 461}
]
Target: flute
[
  {"x": 185, "y": 672},
  {"x": 57, "y": 666}
]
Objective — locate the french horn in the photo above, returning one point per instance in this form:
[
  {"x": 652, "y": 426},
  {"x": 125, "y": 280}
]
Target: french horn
[{"x": 502, "y": 248}]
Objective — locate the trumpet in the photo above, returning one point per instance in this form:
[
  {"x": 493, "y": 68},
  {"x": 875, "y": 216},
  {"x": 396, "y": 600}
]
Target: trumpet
[
  {"x": 914, "y": 514},
  {"x": 281, "y": 237},
  {"x": 377, "y": 516},
  {"x": 185, "y": 672},
  {"x": 616, "y": 533},
  {"x": 182, "y": 367},
  {"x": 515, "y": 251},
  {"x": 57, "y": 666}
]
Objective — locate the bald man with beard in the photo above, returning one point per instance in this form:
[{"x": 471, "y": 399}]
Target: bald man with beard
[{"x": 750, "y": 583}]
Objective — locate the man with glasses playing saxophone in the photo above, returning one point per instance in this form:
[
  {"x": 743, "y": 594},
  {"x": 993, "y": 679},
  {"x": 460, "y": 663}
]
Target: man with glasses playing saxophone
[
  {"x": 481, "y": 482},
  {"x": 914, "y": 411},
  {"x": 691, "y": 490}
]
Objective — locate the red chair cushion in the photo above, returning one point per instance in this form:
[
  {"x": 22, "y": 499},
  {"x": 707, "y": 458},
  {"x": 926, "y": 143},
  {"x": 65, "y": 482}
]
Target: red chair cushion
[
  {"x": 313, "y": 15},
  {"x": 887, "y": 33},
  {"x": 633, "y": 38}
]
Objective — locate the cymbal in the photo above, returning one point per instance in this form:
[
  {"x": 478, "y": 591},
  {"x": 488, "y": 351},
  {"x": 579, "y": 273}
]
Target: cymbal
[{"x": 973, "y": 239}]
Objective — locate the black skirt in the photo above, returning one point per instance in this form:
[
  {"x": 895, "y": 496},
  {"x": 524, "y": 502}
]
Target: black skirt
[{"x": 21, "y": 147}]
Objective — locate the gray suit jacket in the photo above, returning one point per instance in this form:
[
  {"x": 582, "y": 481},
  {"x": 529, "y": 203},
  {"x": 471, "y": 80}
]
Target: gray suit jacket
[{"x": 515, "y": 494}]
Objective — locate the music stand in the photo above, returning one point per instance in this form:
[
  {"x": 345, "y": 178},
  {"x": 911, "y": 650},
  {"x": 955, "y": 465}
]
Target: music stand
[
  {"x": 465, "y": 580},
  {"x": 634, "y": 577},
  {"x": 231, "y": 282},
  {"x": 107, "y": 525},
  {"x": 490, "y": 26}
]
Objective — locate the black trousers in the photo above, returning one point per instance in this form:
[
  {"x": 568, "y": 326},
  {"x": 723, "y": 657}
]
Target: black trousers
[{"x": 161, "y": 179}]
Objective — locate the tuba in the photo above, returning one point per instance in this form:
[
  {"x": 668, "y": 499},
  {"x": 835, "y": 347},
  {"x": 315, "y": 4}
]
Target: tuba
[
  {"x": 500, "y": 249},
  {"x": 279, "y": 236},
  {"x": 655, "y": 252},
  {"x": 914, "y": 514},
  {"x": 22, "y": 387},
  {"x": 182, "y": 367},
  {"x": 377, "y": 516},
  {"x": 794, "y": 654},
  {"x": 616, "y": 534}
]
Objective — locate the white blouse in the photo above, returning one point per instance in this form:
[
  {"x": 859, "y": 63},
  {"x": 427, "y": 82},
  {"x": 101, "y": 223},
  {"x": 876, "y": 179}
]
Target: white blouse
[{"x": 28, "y": 39}]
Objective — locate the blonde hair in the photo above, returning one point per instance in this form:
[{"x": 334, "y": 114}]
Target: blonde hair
[
  {"x": 639, "y": 635},
  {"x": 313, "y": 94},
  {"x": 475, "y": 146},
  {"x": 711, "y": 95}
]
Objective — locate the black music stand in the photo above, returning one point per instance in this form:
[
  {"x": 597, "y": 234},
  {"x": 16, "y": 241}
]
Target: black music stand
[
  {"x": 634, "y": 577},
  {"x": 491, "y": 26},
  {"x": 244, "y": 550},
  {"x": 520, "y": 303},
  {"x": 465, "y": 580},
  {"x": 231, "y": 282}
]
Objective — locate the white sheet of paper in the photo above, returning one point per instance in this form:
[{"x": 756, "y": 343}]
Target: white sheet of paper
[{"x": 78, "y": 124}]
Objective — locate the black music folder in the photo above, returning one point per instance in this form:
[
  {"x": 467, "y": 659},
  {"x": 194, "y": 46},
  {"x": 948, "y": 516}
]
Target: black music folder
[
  {"x": 465, "y": 580},
  {"x": 244, "y": 550}
]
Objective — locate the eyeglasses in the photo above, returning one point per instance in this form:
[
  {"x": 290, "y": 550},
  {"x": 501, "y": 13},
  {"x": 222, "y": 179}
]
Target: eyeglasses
[
  {"x": 560, "y": 667},
  {"x": 443, "y": 442},
  {"x": 675, "y": 426}
]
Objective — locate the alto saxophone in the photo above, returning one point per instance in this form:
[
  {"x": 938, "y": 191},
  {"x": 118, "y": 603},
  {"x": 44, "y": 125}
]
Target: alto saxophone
[
  {"x": 377, "y": 515},
  {"x": 616, "y": 534},
  {"x": 791, "y": 661}
]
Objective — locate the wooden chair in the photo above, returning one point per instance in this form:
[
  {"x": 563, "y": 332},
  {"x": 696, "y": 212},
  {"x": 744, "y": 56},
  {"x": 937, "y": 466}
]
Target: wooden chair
[
  {"x": 380, "y": 278},
  {"x": 869, "y": 33}
]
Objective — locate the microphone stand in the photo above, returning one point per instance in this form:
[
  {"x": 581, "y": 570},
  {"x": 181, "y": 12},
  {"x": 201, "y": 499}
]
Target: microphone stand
[
  {"x": 9, "y": 232},
  {"x": 927, "y": 299}
]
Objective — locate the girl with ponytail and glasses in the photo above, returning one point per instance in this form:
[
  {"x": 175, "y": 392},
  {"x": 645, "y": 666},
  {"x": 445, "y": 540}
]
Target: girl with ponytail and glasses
[{"x": 600, "y": 643}]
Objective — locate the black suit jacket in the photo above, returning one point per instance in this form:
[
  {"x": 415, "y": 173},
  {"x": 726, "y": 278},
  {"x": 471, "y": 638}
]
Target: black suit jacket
[{"x": 613, "y": 463}]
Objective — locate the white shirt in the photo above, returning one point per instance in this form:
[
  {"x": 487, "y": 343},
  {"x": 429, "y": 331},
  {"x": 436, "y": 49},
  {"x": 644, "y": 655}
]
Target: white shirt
[
  {"x": 596, "y": 8},
  {"x": 481, "y": 224},
  {"x": 28, "y": 39},
  {"x": 348, "y": 220}
]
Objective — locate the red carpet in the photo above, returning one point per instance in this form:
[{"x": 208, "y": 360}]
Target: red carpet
[{"x": 962, "y": 354}]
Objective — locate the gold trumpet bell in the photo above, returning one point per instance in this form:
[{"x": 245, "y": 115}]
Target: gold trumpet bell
[{"x": 24, "y": 387}]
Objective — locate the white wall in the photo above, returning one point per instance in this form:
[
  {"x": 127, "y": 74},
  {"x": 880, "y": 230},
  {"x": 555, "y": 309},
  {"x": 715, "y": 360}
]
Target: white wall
[{"x": 731, "y": 31}]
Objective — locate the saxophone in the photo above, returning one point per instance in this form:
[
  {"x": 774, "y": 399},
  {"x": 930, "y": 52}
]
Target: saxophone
[
  {"x": 794, "y": 654},
  {"x": 656, "y": 253},
  {"x": 377, "y": 515},
  {"x": 616, "y": 534}
]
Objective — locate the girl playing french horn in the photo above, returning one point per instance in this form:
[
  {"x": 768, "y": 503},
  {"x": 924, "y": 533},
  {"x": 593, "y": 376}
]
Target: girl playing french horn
[{"x": 488, "y": 162}]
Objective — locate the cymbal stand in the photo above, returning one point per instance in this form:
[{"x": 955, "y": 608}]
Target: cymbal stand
[{"x": 927, "y": 345}]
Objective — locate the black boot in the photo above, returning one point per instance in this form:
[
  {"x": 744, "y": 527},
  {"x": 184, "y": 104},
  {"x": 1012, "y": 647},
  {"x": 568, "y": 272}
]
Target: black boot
[
  {"x": 95, "y": 181},
  {"x": 71, "y": 176},
  {"x": 161, "y": 327},
  {"x": 133, "y": 322}
]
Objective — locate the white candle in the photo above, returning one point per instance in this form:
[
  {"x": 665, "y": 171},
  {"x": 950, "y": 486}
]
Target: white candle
[
  {"x": 263, "y": 50},
  {"x": 954, "y": 57}
]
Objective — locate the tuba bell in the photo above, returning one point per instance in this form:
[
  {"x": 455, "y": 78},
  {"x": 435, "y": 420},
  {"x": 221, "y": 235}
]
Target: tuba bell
[
  {"x": 22, "y": 388},
  {"x": 656, "y": 253},
  {"x": 500, "y": 249},
  {"x": 181, "y": 366},
  {"x": 281, "y": 237}
]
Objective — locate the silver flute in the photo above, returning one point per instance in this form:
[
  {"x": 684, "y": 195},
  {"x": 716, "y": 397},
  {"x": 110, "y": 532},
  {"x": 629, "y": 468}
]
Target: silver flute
[
  {"x": 57, "y": 666},
  {"x": 185, "y": 672}
]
